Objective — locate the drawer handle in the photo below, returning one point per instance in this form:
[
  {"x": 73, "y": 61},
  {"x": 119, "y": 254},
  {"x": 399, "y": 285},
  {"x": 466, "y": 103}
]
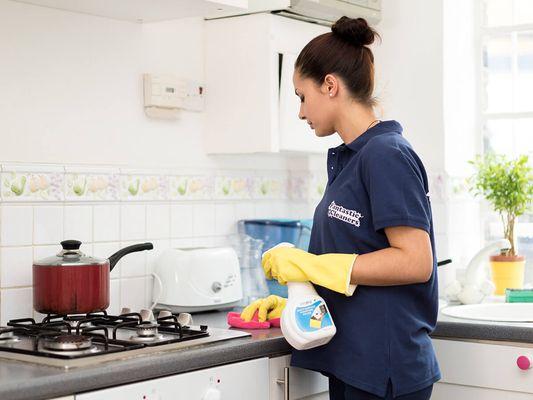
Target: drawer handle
[
  {"x": 523, "y": 362},
  {"x": 285, "y": 383}
]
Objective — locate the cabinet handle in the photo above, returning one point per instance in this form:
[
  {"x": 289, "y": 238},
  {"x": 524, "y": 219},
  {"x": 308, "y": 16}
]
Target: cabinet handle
[{"x": 285, "y": 383}]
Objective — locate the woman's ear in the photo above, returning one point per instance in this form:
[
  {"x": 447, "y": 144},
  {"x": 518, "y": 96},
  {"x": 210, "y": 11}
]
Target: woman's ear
[{"x": 331, "y": 85}]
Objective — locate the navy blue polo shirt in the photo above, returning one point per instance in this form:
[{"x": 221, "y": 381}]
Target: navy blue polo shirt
[{"x": 376, "y": 181}]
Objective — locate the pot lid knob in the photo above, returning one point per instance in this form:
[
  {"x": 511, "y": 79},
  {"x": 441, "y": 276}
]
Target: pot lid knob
[{"x": 71, "y": 244}]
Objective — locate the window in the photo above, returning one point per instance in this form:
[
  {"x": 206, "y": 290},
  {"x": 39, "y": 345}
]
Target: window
[{"x": 507, "y": 96}]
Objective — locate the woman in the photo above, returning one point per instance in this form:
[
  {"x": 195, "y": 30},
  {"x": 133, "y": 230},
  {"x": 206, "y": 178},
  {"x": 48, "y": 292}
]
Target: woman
[{"x": 371, "y": 254}]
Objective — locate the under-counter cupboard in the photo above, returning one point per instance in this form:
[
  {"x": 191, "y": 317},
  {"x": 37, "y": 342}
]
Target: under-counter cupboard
[
  {"x": 260, "y": 379},
  {"x": 251, "y": 106}
]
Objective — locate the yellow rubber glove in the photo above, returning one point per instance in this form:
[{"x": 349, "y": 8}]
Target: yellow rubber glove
[
  {"x": 289, "y": 264},
  {"x": 269, "y": 307}
]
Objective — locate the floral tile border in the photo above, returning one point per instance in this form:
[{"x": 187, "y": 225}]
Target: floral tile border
[
  {"x": 34, "y": 183},
  {"x": 37, "y": 183}
]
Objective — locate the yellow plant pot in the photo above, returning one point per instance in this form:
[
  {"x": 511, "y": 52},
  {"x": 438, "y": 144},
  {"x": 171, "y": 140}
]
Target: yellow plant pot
[{"x": 507, "y": 272}]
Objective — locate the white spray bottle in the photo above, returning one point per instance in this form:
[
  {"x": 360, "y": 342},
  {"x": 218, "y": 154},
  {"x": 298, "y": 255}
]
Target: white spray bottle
[{"x": 305, "y": 321}]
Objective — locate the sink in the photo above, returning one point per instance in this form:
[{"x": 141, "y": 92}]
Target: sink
[{"x": 502, "y": 312}]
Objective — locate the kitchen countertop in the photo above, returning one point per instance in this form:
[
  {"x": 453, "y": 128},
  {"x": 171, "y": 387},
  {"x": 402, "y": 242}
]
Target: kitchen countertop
[{"x": 21, "y": 380}]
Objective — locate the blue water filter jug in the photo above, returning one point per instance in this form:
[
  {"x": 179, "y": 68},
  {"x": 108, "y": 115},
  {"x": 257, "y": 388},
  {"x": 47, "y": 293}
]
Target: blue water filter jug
[{"x": 274, "y": 231}]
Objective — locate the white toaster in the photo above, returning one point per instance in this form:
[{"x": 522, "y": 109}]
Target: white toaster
[{"x": 197, "y": 279}]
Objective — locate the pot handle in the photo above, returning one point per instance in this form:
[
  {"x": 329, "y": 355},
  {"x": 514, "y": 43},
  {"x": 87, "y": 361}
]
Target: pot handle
[{"x": 127, "y": 250}]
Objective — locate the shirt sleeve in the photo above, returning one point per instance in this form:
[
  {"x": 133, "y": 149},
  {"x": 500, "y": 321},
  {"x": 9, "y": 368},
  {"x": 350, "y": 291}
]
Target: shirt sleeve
[{"x": 397, "y": 188}]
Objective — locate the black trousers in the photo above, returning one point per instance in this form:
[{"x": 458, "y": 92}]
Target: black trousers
[{"x": 338, "y": 390}]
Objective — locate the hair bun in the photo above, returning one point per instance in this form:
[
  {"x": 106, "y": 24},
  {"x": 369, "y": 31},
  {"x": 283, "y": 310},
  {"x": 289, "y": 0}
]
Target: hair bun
[{"x": 354, "y": 30}]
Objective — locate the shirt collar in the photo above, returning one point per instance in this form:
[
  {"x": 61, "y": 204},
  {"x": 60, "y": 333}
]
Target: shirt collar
[{"x": 382, "y": 127}]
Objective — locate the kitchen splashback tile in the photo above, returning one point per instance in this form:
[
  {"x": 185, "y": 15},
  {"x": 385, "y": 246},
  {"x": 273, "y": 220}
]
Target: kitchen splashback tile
[
  {"x": 133, "y": 264},
  {"x": 244, "y": 210},
  {"x": 139, "y": 186},
  {"x": 233, "y": 187},
  {"x": 158, "y": 221},
  {"x": 15, "y": 303},
  {"x": 114, "y": 297},
  {"x": 132, "y": 293},
  {"x": 32, "y": 183},
  {"x": 151, "y": 256},
  {"x": 47, "y": 224},
  {"x": 225, "y": 223},
  {"x": 16, "y": 266},
  {"x": 132, "y": 221},
  {"x": 105, "y": 250},
  {"x": 106, "y": 220},
  {"x": 181, "y": 220},
  {"x": 91, "y": 184},
  {"x": 203, "y": 216},
  {"x": 16, "y": 225},
  {"x": 191, "y": 187},
  {"x": 79, "y": 223}
]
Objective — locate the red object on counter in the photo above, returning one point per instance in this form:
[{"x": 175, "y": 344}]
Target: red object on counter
[{"x": 73, "y": 283}]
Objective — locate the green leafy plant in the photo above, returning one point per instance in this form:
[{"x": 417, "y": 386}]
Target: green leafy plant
[{"x": 507, "y": 185}]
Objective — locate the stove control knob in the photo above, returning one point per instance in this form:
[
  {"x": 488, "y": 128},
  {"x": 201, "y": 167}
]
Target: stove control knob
[
  {"x": 212, "y": 394},
  {"x": 524, "y": 362},
  {"x": 216, "y": 286}
]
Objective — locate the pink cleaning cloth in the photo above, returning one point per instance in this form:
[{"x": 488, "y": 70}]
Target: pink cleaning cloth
[
  {"x": 275, "y": 322},
  {"x": 235, "y": 320}
]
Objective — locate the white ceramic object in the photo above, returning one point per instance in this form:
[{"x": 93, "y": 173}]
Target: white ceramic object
[
  {"x": 498, "y": 312},
  {"x": 197, "y": 279}
]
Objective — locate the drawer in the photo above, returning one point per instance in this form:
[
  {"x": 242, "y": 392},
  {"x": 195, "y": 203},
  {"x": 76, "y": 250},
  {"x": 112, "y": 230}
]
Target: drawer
[{"x": 486, "y": 364}]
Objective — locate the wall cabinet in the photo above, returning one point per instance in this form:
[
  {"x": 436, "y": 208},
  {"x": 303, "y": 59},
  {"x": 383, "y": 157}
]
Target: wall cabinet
[
  {"x": 482, "y": 370},
  {"x": 303, "y": 384},
  {"x": 250, "y": 101}
]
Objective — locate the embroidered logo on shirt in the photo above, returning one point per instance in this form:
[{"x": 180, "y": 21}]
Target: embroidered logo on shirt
[{"x": 343, "y": 214}]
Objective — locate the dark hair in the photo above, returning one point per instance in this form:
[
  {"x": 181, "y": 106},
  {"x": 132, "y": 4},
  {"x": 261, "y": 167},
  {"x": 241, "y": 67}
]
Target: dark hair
[{"x": 343, "y": 52}]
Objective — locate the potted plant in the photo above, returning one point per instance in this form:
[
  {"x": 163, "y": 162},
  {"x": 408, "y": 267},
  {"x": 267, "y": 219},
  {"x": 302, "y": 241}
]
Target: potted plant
[{"x": 508, "y": 186}]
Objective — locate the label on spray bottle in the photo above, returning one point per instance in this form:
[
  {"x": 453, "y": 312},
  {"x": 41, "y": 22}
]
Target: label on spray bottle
[{"x": 312, "y": 315}]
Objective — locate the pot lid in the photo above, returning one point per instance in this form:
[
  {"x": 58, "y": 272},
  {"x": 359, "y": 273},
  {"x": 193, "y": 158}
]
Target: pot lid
[{"x": 70, "y": 255}]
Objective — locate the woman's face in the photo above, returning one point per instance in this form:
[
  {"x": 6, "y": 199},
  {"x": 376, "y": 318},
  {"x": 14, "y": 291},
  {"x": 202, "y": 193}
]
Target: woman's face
[{"x": 316, "y": 106}]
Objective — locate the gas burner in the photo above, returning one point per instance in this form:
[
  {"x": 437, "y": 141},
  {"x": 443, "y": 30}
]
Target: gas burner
[
  {"x": 68, "y": 343},
  {"x": 74, "y": 320},
  {"x": 146, "y": 332},
  {"x": 8, "y": 337}
]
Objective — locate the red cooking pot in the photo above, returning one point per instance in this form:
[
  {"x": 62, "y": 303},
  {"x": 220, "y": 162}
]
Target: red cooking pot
[{"x": 73, "y": 283}]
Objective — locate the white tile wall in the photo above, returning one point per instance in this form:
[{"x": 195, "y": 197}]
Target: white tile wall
[
  {"x": 47, "y": 224},
  {"x": 16, "y": 226},
  {"x": 158, "y": 221},
  {"x": 106, "y": 220},
  {"x": 181, "y": 220},
  {"x": 16, "y": 266},
  {"x": 203, "y": 216},
  {"x": 15, "y": 303},
  {"x": 33, "y": 231},
  {"x": 79, "y": 223},
  {"x": 133, "y": 222}
]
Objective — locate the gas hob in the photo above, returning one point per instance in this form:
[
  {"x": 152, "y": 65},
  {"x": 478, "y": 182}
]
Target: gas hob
[{"x": 69, "y": 341}]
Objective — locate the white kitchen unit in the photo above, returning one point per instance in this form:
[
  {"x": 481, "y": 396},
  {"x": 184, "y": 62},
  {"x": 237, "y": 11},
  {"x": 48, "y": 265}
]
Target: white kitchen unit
[
  {"x": 64, "y": 398},
  {"x": 250, "y": 101},
  {"x": 239, "y": 381},
  {"x": 485, "y": 370},
  {"x": 302, "y": 383}
]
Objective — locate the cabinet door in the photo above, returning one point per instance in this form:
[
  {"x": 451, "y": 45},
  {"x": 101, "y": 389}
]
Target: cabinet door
[
  {"x": 446, "y": 391},
  {"x": 239, "y": 381},
  {"x": 303, "y": 384},
  {"x": 295, "y": 134}
]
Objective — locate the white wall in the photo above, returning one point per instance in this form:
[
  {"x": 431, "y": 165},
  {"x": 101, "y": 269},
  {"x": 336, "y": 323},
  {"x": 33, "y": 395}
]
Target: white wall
[
  {"x": 72, "y": 88},
  {"x": 426, "y": 78},
  {"x": 71, "y": 94},
  {"x": 409, "y": 71}
]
